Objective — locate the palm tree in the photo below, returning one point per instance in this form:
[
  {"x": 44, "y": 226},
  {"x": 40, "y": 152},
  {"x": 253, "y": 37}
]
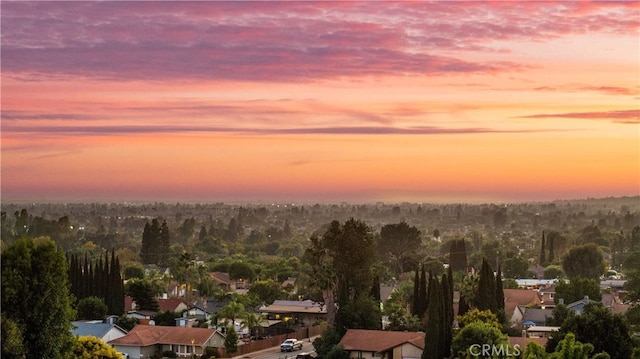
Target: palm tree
[
  {"x": 232, "y": 311},
  {"x": 252, "y": 320},
  {"x": 325, "y": 278}
]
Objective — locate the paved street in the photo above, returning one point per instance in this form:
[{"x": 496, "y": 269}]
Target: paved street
[{"x": 274, "y": 352}]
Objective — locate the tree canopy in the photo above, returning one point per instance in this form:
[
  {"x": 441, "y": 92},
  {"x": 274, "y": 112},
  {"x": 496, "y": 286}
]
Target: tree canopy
[
  {"x": 584, "y": 261},
  {"x": 591, "y": 326},
  {"x": 397, "y": 241},
  {"x": 35, "y": 296}
]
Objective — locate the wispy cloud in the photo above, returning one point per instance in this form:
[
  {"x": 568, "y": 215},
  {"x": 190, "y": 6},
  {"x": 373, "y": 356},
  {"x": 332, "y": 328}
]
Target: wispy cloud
[
  {"x": 52, "y": 131},
  {"x": 621, "y": 116}
]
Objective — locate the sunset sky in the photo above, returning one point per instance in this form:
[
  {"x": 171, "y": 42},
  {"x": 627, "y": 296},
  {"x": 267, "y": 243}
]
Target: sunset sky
[{"x": 320, "y": 101}]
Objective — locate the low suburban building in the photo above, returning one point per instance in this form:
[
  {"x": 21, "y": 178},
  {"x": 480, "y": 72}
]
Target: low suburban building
[
  {"x": 534, "y": 316},
  {"x": 172, "y": 305},
  {"x": 513, "y": 298},
  {"x": 381, "y": 344},
  {"x": 143, "y": 341},
  {"x": 302, "y": 312},
  {"x": 99, "y": 329}
]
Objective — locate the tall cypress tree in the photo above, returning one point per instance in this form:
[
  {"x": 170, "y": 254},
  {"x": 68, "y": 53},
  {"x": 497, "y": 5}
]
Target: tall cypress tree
[
  {"x": 463, "y": 306},
  {"x": 424, "y": 299},
  {"x": 447, "y": 312},
  {"x": 543, "y": 260},
  {"x": 164, "y": 245},
  {"x": 551, "y": 250},
  {"x": 486, "y": 297},
  {"x": 500, "y": 313},
  {"x": 458, "y": 256},
  {"x": 86, "y": 278},
  {"x": 375, "y": 289},
  {"x": 434, "y": 340},
  {"x": 115, "y": 297},
  {"x": 416, "y": 293}
]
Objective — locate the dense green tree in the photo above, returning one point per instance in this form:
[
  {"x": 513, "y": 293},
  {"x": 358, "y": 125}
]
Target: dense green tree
[
  {"x": 337, "y": 352},
  {"x": 396, "y": 241},
  {"x": 475, "y": 315},
  {"x": 465, "y": 342},
  {"x": 149, "y": 253},
  {"x": 592, "y": 234},
  {"x": 241, "y": 270},
  {"x": 362, "y": 312},
  {"x": 584, "y": 261},
  {"x": 322, "y": 275},
  {"x": 351, "y": 246},
  {"x": 486, "y": 296},
  {"x": 231, "y": 340},
  {"x": 447, "y": 315},
  {"x": 143, "y": 293},
  {"x": 458, "y": 256},
  {"x": 415, "y": 298},
  {"x": 133, "y": 271},
  {"x": 35, "y": 296},
  {"x": 557, "y": 243},
  {"x": 343, "y": 259},
  {"x": 101, "y": 279},
  {"x": 570, "y": 348},
  {"x": 91, "y": 308},
  {"x": 12, "y": 346},
  {"x": 89, "y": 347},
  {"x": 434, "y": 343},
  {"x": 516, "y": 267},
  {"x": 577, "y": 289},
  {"x": 533, "y": 350},
  {"x": 559, "y": 314},
  {"x": 399, "y": 319},
  {"x": 500, "y": 297},
  {"x": 114, "y": 290},
  {"x": 166, "y": 318},
  {"x": 606, "y": 332},
  {"x": 553, "y": 272},
  {"x": 266, "y": 291},
  {"x": 552, "y": 252},
  {"x": 631, "y": 267},
  {"x": 543, "y": 253},
  {"x": 468, "y": 292},
  {"x": 422, "y": 300},
  {"x": 156, "y": 243},
  {"x": 126, "y": 323},
  {"x": 324, "y": 343},
  {"x": 633, "y": 318}
]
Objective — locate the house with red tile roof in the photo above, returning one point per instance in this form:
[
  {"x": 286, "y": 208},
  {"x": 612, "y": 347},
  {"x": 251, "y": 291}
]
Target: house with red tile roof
[
  {"x": 172, "y": 305},
  {"x": 143, "y": 341},
  {"x": 381, "y": 344},
  {"x": 515, "y": 298}
]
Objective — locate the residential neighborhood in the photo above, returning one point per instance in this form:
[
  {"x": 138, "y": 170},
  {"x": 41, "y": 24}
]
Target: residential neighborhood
[{"x": 341, "y": 289}]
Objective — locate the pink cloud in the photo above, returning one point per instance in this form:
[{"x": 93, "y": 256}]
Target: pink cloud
[{"x": 282, "y": 41}]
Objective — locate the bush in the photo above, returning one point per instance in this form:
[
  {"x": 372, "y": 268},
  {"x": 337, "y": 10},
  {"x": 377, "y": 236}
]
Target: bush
[
  {"x": 169, "y": 354},
  {"x": 210, "y": 353},
  {"x": 91, "y": 308}
]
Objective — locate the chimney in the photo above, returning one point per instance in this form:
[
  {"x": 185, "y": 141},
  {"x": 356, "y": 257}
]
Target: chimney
[
  {"x": 586, "y": 299},
  {"x": 561, "y": 301}
]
